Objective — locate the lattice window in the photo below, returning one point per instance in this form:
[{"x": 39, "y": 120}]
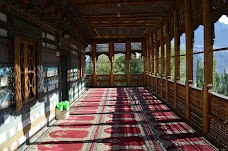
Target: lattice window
[
  {"x": 136, "y": 45},
  {"x": 120, "y": 47},
  {"x": 158, "y": 34},
  {"x": 181, "y": 18},
  {"x": 164, "y": 32},
  {"x": 197, "y": 9},
  {"x": 171, "y": 27},
  {"x": 102, "y": 47},
  {"x": 25, "y": 71},
  {"x": 3, "y": 25}
]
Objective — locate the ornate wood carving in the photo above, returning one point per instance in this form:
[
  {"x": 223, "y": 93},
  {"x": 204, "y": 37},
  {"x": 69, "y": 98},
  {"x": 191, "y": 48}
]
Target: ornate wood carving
[{"x": 25, "y": 72}]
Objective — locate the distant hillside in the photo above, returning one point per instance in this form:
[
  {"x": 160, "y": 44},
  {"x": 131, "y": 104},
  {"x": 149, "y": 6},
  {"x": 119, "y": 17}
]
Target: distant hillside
[{"x": 220, "y": 41}]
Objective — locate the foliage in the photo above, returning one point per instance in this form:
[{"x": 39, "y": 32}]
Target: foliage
[
  {"x": 103, "y": 65},
  {"x": 220, "y": 81},
  {"x": 199, "y": 73},
  {"x": 120, "y": 64},
  {"x": 136, "y": 66}
]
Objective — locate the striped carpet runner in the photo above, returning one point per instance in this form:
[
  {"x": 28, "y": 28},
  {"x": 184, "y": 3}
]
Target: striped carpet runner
[{"x": 130, "y": 119}]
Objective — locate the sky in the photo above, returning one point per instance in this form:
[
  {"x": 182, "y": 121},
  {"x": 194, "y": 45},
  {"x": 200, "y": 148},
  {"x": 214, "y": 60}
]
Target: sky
[{"x": 224, "y": 19}]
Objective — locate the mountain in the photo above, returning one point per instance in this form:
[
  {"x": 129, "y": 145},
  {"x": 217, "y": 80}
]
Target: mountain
[{"x": 220, "y": 41}]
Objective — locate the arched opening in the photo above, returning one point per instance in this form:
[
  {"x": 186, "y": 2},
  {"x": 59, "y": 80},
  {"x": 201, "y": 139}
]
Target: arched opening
[
  {"x": 183, "y": 58},
  {"x": 198, "y": 57},
  {"x": 220, "y": 52},
  {"x": 172, "y": 59},
  {"x": 103, "y": 66}
]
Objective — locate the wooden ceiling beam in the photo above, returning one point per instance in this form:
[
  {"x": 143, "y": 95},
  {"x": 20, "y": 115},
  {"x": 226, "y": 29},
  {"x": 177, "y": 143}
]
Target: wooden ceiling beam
[
  {"x": 146, "y": 25},
  {"x": 156, "y": 14},
  {"x": 122, "y": 18},
  {"x": 120, "y": 21},
  {"x": 125, "y": 2}
]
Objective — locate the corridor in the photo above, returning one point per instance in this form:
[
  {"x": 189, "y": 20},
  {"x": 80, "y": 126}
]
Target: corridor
[{"x": 120, "y": 119}]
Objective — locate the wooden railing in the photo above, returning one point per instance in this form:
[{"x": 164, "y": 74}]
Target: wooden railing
[
  {"x": 218, "y": 106},
  {"x": 103, "y": 80},
  {"x": 181, "y": 98},
  {"x": 195, "y": 104},
  {"x": 89, "y": 80},
  {"x": 136, "y": 80},
  {"x": 118, "y": 80},
  {"x": 218, "y": 114}
]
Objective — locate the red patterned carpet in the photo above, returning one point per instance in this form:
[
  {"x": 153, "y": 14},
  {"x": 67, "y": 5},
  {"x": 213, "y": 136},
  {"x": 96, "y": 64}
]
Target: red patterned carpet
[{"x": 132, "y": 119}]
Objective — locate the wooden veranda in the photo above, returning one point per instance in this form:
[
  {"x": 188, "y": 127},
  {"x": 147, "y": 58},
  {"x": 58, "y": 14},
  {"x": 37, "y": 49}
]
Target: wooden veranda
[{"x": 52, "y": 50}]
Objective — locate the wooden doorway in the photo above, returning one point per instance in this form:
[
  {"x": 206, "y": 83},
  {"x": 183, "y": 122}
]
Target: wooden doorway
[{"x": 63, "y": 64}]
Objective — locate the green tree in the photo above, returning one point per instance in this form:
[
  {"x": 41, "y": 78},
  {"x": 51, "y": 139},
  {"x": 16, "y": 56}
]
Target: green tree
[
  {"x": 136, "y": 66},
  {"x": 103, "y": 65},
  {"x": 222, "y": 89},
  {"x": 216, "y": 78},
  {"x": 183, "y": 68},
  {"x": 199, "y": 73},
  {"x": 120, "y": 66},
  {"x": 172, "y": 61}
]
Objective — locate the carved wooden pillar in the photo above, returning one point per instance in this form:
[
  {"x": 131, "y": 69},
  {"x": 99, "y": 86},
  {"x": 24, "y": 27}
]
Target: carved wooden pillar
[
  {"x": 128, "y": 55},
  {"x": 94, "y": 57},
  {"x": 177, "y": 57},
  {"x": 156, "y": 62},
  {"x": 168, "y": 69},
  {"x": 208, "y": 62},
  {"x": 189, "y": 56},
  {"x": 111, "y": 56},
  {"x": 162, "y": 58}
]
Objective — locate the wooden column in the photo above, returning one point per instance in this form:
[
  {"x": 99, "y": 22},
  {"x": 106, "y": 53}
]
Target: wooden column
[
  {"x": 168, "y": 69},
  {"x": 94, "y": 57},
  {"x": 145, "y": 63},
  {"x": 82, "y": 65},
  {"x": 152, "y": 60},
  {"x": 162, "y": 58},
  {"x": 111, "y": 56},
  {"x": 208, "y": 62},
  {"x": 177, "y": 57},
  {"x": 189, "y": 55},
  {"x": 156, "y": 62},
  {"x": 148, "y": 59},
  {"x": 128, "y": 56}
]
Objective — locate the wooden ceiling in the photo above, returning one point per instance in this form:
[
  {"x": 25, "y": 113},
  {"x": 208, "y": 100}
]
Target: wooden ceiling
[{"x": 122, "y": 18}]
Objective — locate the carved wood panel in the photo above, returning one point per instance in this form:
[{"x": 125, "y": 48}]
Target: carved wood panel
[{"x": 25, "y": 71}]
